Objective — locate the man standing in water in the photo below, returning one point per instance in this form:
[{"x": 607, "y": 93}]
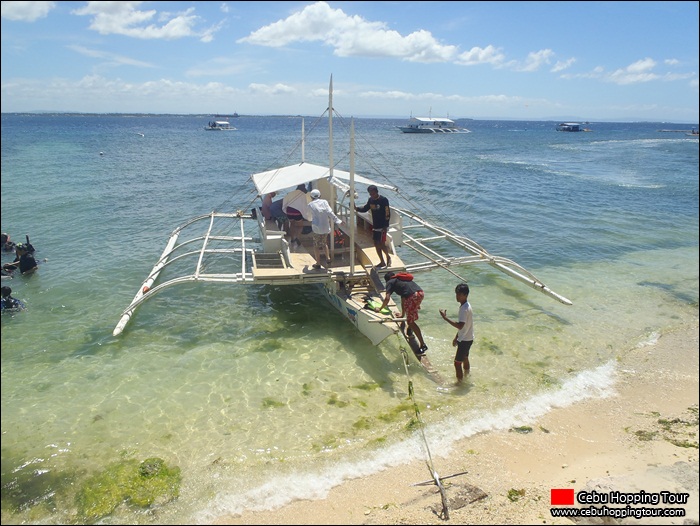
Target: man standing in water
[
  {"x": 464, "y": 338},
  {"x": 411, "y": 298},
  {"x": 379, "y": 205}
]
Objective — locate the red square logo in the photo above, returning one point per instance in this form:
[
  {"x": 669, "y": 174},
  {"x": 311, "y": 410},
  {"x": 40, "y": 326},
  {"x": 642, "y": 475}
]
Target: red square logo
[{"x": 562, "y": 497}]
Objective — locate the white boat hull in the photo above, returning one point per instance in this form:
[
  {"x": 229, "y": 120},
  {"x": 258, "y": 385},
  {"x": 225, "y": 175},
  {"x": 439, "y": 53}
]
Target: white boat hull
[
  {"x": 408, "y": 129},
  {"x": 377, "y": 327}
]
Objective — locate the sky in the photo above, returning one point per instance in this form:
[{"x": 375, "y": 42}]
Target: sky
[{"x": 585, "y": 61}]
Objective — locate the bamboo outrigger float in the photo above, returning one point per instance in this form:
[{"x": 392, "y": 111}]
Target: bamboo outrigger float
[{"x": 242, "y": 247}]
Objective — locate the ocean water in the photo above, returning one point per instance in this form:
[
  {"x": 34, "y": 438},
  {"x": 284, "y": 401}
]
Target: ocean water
[{"x": 263, "y": 395}]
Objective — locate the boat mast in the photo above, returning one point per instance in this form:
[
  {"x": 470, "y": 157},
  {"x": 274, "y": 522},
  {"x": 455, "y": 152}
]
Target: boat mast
[
  {"x": 330, "y": 128},
  {"x": 330, "y": 157},
  {"x": 351, "y": 205}
]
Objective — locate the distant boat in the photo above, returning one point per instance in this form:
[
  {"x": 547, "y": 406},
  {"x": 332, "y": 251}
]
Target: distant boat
[
  {"x": 431, "y": 125},
  {"x": 219, "y": 126},
  {"x": 693, "y": 133},
  {"x": 571, "y": 127}
]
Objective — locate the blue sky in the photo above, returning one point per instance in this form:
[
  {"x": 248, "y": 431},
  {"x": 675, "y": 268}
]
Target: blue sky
[{"x": 624, "y": 61}]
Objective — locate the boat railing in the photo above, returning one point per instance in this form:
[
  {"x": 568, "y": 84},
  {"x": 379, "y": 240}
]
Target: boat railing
[{"x": 271, "y": 234}]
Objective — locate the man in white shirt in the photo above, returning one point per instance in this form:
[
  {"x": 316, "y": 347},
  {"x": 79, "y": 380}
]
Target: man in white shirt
[
  {"x": 321, "y": 216},
  {"x": 295, "y": 205},
  {"x": 464, "y": 338}
]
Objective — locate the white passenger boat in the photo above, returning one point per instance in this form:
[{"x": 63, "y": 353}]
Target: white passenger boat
[
  {"x": 572, "y": 127},
  {"x": 219, "y": 126},
  {"x": 432, "y": 125},
  {"x": 240, "y": 247}
]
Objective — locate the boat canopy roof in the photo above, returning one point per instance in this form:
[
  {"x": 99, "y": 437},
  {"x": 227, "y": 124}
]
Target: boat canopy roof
[
  {"x": 433, "y": 119},
  {"x": 219, "y": 123},
  {"x": 302, "y": 173}
]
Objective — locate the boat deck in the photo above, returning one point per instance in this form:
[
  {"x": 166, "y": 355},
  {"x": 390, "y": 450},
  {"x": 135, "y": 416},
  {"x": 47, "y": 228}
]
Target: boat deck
[{"x": 296, "y": 264}]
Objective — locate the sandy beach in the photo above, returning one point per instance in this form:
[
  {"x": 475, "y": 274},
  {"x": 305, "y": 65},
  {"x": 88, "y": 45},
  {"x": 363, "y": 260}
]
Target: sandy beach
[{"x": 643, "y": 437}]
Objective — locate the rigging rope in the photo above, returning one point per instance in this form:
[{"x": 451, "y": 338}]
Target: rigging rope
[{"x": 427, "y": 207}]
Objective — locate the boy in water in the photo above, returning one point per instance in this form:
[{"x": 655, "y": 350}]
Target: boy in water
[{"x": 464, "y": 338}]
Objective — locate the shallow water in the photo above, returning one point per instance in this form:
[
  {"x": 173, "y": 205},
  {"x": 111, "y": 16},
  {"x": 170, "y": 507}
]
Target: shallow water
[{"x": 262, "y": 395}]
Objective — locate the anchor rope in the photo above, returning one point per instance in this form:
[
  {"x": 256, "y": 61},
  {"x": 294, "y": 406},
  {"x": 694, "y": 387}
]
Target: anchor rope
[{"x": 421, "y": 425}]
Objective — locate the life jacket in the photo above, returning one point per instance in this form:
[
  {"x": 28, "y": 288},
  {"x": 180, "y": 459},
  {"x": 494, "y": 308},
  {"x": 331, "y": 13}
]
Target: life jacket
[{"x": 403, "y": 276}]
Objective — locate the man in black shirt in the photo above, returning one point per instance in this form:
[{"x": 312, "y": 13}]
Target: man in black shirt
[
  {"x": 379, "y": 205},
  {"x": 24, "y": 260}
]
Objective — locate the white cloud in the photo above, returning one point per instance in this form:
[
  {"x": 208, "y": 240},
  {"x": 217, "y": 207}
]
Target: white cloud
[
  {"x": 477, "y": 55},
  {"x": 111, "y": 58},
  {"x": 123, "y": 18},
  {"x": 266, "y": 89},
  {"x": 398, "y": 95},
  {"x": 354, "y": 36},
  {"x": 495, "y": 101},
  {"x": 25, "y": 11},
  {"x": 350, "y": 36},
  {"x": 535, "y": 60},
  {"x": 670, "y": 77},
  {"x": 635, "y": 73},
  {"x": 90, "y": 93},
  {"x": 638, "y": 72},
  {"x": 561, "y": 66}
]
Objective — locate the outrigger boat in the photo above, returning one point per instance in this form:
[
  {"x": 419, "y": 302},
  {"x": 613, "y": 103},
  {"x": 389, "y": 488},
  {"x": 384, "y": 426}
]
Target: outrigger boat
[
  {"x": 219, "y": 126},
  {"x": 242, "y": 247},
  {"x": 432, "y": 125}
]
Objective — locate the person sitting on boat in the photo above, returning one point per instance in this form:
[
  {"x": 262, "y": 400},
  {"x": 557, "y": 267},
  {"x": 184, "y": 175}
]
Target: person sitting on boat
[
  {"x": 24, "y": 261},
  {"x": 7, "y": 302},
  {"x": 272, "y": 210},
  {"x": 381, "y": 213},
  {"x": 267, "y": 204},
  {"x": 411, "y": 298},
  {"x": 321, "y": 216},
  {"x": 296, "y": 207}
]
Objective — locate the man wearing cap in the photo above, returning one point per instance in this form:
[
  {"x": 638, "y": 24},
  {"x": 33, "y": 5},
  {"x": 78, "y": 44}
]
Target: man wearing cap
[{"x": 321, "y": 216}]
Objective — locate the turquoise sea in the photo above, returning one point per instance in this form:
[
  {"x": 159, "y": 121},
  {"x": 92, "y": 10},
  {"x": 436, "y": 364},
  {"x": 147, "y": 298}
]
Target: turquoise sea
[{"x": 264, "y": 395}]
